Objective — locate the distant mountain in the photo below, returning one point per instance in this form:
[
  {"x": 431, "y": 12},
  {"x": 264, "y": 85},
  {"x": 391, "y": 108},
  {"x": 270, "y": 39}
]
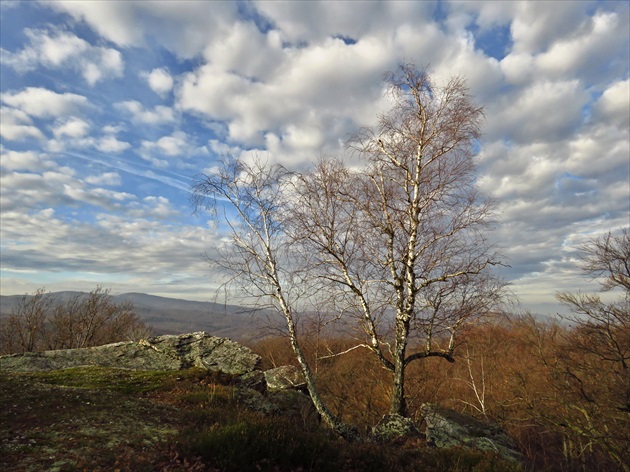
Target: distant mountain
[{"x": 175, "y": 316}]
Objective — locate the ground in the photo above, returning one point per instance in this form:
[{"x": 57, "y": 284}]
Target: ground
[{"x": 103, "y": 419}]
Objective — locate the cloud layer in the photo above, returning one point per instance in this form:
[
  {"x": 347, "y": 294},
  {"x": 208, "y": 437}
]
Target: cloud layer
[{"x": 110, "y": 108}]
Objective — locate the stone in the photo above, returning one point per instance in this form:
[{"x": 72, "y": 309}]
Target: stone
[
  {"x": 169, "y": 352},
  {"x": 393, "y": 427},
  {"x": 448, "y": 428},
  {"x": 291, "y": 404},
  {"x": 253, "y": 381},
  {"x": 285, "y": 377}
]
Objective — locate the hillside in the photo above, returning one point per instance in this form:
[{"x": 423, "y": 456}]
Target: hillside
[
  {"x": 104, "y": 419},
  {"x": 174, "y": 316}
]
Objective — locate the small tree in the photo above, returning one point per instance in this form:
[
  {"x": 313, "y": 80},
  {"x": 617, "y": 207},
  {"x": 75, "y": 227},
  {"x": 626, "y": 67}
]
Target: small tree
[
  {"x": 593, "y": 364},
  {"x": 25, "y": 328},
  {"x": 252, "y": 200},
  {"x": 39, "y": 323}
]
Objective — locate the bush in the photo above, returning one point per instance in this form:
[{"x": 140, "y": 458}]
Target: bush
[{"x": 40, "y": 323}]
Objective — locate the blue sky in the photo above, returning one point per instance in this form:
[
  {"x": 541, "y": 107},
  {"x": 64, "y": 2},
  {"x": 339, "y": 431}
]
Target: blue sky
[{"x": 110, "y": 108}]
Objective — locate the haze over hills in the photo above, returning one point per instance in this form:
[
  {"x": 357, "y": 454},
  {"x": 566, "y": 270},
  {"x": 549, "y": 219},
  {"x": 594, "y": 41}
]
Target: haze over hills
[{"x": 175, "y": 316}]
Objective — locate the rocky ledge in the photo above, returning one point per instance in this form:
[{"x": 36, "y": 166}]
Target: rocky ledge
[{"x": 169, "y": 352}]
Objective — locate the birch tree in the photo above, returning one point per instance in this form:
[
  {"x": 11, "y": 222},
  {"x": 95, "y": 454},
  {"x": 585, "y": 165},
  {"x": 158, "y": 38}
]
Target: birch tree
[
  {"x": 252, "y": 200},
  {"x": 402, "y": 241},
  {"x": 395, "y": 246}
]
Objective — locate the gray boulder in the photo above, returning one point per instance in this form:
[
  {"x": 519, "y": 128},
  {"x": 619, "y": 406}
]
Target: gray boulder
[
  {"x": 285, "y": 377},
  {"x": 448, "y": 428},
  {"x": 288, "y": 403},
  {"x": 393, "y": 427},
  {"x": 170, "y": 352},
  {"x": 253, "y": 381}
]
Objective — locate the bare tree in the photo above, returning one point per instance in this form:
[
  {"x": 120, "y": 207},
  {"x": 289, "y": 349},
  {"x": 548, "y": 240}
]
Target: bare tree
[
  {"x": 24, "y": 329},
  {"x": 38, "y": 322},
  {"x": 252, "y": 200},
  {"x": 593, "y": 364},
  {"x": 93, "y": 319},
  {"x": 396, "y": 247},
  {"x": 401, "y": 242}
]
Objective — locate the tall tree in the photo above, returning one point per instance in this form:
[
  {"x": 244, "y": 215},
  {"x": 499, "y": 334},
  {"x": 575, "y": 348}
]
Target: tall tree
[
  {"x": 252, "y": 199},
  {"x": 395, "y": 246},
  {"x": 404, "y": 236}
]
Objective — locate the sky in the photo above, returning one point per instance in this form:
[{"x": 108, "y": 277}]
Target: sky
[{"x": 109, "y": 110}]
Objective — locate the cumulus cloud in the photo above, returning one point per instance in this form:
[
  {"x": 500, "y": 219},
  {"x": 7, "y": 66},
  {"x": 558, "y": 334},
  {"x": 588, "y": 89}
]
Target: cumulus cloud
[
  {"x": 61, "y": 49},
  {"x": 159, "y": 115},
  {"x": 43, "y": 103},
  {"x": 184, "y": 28},
  {"x": 107, "y": 178},
  {"x": 16, "y": 125},
  {"x": 542, "y": 111},
  {"x": 72, "y": 127},
  {"x": 111, "y": 144},
  {"x": 177, "y": 145},
  {"x": 56, "y": 187},
  {"x": 160, "y": 81},
  {"x": 25, "y": 160},
  {"x": 612, "y": 107},
  {"x": 135, "y": 248}
]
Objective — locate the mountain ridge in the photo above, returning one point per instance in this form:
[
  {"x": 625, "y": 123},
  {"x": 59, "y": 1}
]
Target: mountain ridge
[{"x": 175, "y": 316}]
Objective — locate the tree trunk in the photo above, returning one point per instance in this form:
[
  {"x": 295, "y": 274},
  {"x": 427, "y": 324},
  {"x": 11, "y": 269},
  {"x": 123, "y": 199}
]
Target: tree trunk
[
  {"x": 398, "y": 405},
  {"x": 346, "y": 431}
]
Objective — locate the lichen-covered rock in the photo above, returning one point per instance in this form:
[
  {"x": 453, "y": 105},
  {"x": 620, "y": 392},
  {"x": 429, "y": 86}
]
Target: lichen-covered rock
[
  {"x": 448, "y": 428},
  {"x": 171, "y": 352},
  {"x": 393, "y": 427},
  {"x": 287, "y": 403},
  {"x": 253, "y": 380},
  {"x": 285, "y": 377},
  {"x": 205, "y": 351}
]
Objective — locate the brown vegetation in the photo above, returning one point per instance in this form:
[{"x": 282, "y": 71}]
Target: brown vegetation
[
  {"x": 38, "y": 323},
  {"x": 561, "y": 390}
]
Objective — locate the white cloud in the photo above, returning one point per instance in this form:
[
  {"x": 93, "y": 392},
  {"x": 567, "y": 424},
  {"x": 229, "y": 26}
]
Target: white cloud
[
  {"x": 108, "y": 178},
  {"x": 72, "y": 127},
  {"x": 537, "y": 25},
  {"x": 56, "y": 49},
  {"x": 543, "y": 111},
  {"x": 160, "y": 81},
  {"x": 137, "y": 248},
  {"x": 597, "y": 46},
  {"x": 25, "y": 160},
  {"x": 159, "y": 115},
  {"x": 26, "y": 191},
  {"x": 329, "y": 88},
  {"x": 43, "y": 103},
  {"x": 614, "y": 105},
  {"x": 15, "y": 125},
  {"x": 184, "y": 28},
  {"x": 295, "y": 20},
  {"x": 178, "y": 144},
  {"x": 111, "y": 144}
]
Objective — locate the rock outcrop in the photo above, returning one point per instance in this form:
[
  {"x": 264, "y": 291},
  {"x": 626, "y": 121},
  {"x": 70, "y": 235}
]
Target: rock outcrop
[
  {"x": 285, "y": 377},
  {"x": 392, "y": 427},
  {"x": 169, "y": 352},
  {"x": 448, "y": 428}
]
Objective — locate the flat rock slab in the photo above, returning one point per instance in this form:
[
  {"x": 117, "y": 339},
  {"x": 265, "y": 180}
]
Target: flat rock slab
[
  {"x": 169, "y": 352},
  {"x": 449, "y": 428},
  {"x": 285, "y": 377}
]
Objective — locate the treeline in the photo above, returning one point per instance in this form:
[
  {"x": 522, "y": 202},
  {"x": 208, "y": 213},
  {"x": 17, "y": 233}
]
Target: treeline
[
  {"x": 39, "y": 322},
  {"x": 557, "y": 389}
]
